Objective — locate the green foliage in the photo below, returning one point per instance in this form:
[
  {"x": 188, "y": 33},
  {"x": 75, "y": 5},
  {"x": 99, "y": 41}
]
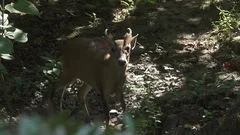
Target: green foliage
[
  {"x": 127, "y": 3},
  {"x": 51, "y": 69},
  {"x": 16, "y": 34},
  {"x": 6, "y": 46},
  {"x": 8, "y": 31},
  {"x": 95, "y": 21},
  {"x": 60, "y": 124},
  {"x": 29, "y": 126},
  {"x": 206, "y": 4},
  {"x": 229, "y": 21},
  {"x": 23, "y": 7},
  {"x": 208, "y": 115}
]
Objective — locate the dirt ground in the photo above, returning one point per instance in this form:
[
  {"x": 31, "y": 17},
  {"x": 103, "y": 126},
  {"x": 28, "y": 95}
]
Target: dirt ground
[{"x": 176, "y": 80}]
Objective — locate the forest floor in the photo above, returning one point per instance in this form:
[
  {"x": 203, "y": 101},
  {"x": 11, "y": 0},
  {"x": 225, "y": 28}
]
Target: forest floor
[{"x": 176, "y": 77}]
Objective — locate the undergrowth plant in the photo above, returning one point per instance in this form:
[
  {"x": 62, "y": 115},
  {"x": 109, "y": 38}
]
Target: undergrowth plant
[
  {"x": 10, "y": 34},
  {"x": 61, "y": 125},
  {"x": 229, "y": 21}
]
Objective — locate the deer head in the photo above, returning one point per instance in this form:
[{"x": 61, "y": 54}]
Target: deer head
[{"x": 121, "y": 49}]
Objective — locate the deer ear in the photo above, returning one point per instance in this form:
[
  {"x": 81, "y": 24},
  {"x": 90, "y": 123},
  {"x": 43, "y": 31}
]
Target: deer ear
[{"x": 134, "y": 42}]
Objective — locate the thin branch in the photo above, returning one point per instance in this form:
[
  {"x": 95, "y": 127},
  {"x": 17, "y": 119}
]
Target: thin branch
[
  {"x": 61, "y": 100},
  {"x": 3, "y": 3}
]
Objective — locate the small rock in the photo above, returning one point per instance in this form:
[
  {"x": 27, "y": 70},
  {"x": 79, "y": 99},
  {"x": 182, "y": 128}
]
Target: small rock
[
  {"x": 204, "y": 59},
  {"x": 211, "y": 65},
  {"x": 236, "y": 39},
  {"x": 125, "y": 10},
  {"x": 114, "y": 120},
  {"x": 113, "y": 111},
  {"x": 194, "y": 21}
]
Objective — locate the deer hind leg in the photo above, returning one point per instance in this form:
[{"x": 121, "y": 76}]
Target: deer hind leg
[
  {"x": 121, "y": 89},
  {"x": 62, "y": 83},
  {"x": 120, "y": 98},
  {"x": 82, "y": 93},
  {"x": 119, "y": 94}
]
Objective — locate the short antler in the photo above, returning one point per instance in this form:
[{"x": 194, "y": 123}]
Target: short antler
[
  {"x": 109, "y": 37},
  {"x": 128, "y": 36},
  {"x": 130, "y": 31},
  {"x": 106, "y": 33}
]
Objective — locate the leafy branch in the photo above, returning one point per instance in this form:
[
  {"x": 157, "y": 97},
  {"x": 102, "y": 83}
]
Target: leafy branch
[{"x": 10, "y": 33}]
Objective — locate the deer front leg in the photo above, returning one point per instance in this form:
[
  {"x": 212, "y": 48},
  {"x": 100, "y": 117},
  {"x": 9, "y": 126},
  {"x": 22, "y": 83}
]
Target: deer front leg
[
  {"x": 105, "y": 106},
  {"x": 121, "y": 96},
  {"x": 123, "y": 104}
]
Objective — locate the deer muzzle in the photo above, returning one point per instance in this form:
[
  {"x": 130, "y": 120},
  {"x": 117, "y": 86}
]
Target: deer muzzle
[{"x": 122, "y": 62}]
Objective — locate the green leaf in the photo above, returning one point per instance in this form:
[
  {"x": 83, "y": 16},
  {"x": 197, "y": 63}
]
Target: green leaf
[
  {"x": 16, "y": 34},
  {"x": 6, "y": 45},
  {"x": 10, "y": 8},
  {"x": 128, "y": 120},
  {"x": 84, "y": 130},
  {"x": 7, "y": 56},
  {"x": 5, "y": 20},
  {"x": 130, "y": 125},
  {"x": 29, "y": 125},
  {"x": 22, "y": 6},
  {"x": 3, "y": 69},
  {"x": 97, "y": 131}
]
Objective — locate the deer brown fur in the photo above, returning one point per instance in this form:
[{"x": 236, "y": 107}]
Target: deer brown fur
[{"x": 100, "y": 63}]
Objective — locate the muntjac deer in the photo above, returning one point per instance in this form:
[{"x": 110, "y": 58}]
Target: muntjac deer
[{"x": 100, "y": 64}]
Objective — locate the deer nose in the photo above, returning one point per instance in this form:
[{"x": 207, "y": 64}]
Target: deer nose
[{"x": 122, "y": 63}]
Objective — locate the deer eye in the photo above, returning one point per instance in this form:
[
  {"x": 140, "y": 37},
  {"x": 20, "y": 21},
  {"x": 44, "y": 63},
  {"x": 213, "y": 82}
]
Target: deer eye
[{"x": 127, "y": 49}]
